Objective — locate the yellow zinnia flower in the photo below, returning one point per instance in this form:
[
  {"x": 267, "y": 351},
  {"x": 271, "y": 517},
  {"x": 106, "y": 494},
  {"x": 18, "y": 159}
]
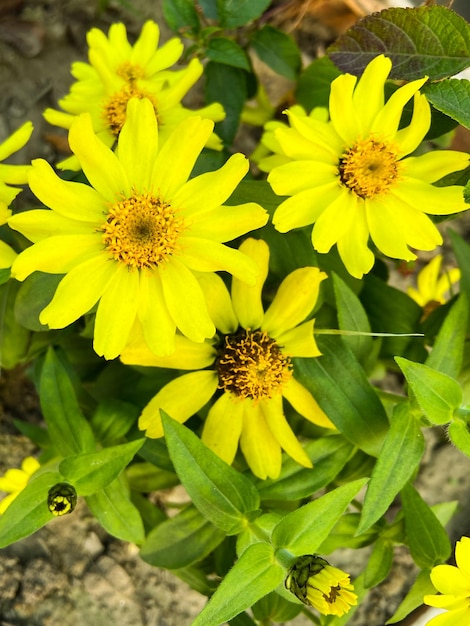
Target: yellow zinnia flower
[
  {"x": 119, "y": 71},
  {"x": 250, "y": 362},
  {"x": 318, "y": 584},
  {"x": 454, "y": 585},
  {"x": 11, "y": 175},
  {"x": 15, "y": 480},
  {"x": 349, "y": 177},
  {"x": 133, "y": 239},
  {"x": 432, "y": 289}
]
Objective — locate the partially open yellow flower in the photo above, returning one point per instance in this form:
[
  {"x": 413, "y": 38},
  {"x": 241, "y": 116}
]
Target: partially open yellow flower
[
  {"x": 15, "y": 480},
  {"x": 353, "y": 179},
  {"x": 119, "y": 71},
  {"x": 433, "y": 288},
  {"x": 454, "y": 585},
  {"x": 133, "y": 240},
  {"x": 247, "y": 367}
]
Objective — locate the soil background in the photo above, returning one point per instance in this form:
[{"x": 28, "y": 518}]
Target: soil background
[{"x": 72, "y": 572}]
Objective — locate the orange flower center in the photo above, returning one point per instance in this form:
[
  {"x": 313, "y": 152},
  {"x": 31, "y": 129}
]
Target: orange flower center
[
  {"x": 252, "y": 365},
  {"x": 370, "y": 167}
]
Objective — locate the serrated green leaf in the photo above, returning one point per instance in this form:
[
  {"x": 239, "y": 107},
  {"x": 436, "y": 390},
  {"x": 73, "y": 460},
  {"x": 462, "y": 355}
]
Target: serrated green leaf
[
  {"x": 338, "y": 383},
  {"x": 116, "y": 513},
  {"x": 303, "y": 530},
  {"x": 313, "y": 87},
  {"x": 447, "y": 352},
  {"x": 69, "y": 431},
  {"x": 414, "y": 598},
  {"x": 228, "y": 52},
  {"x": 227, "y": 85},
  {"x": 235, "y": 13},
  {"x": 181, "y": 541},
  {"x": 428, "y": 541},
  {"x": 452, "y": 97},
  {"x": 90, "y": 473},
  {"x": 328, "y": 455},
  {"x": 181, "y": 15},
  {"x": 254, "y": 575},
  {"x": 29, "y": 511},
  {"x": 278, "y": 50},
  {"x": 223, "y": 495},
  {"x": 34, "y": 295},
  {"x": 428, "y": 41},
  {"x": 352, "y": 316},
  {"x": 437, "y": 394},
  {"x": 379, "y": 563},
  {"x": 401, "y": 453}
]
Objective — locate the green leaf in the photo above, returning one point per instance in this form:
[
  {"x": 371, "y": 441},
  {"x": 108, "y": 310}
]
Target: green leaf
[
  {"x": 313, "y": 87},
  {"x": 278, "y": 50},
  {"x": 222, "y": 495},
  {"x": 90, "y": 473},
  {"x": 424, "y": 41},
  {"x": 400, "y": 456},
  {"x": 274, "y": 608},
  {"x": 29, "y": 511},
  {"x": 228, "y": 52},
  {"x": 303, "y": 530},
  {"x": 414, "y": 598},
  {"x": 328, "y": 455},
  {"x": 34, "y": 295},
  {"x": 344, "y": 535},
  {"x": 235, "y": 13},
  {"x": 452, "y": 97},
  {"x": 14, "y": 339},
  {"x": 5, "y": 275},
  {"x": 181, "y": 15},
  {"x": 379, "y": 563},
  {"x": 69, "y": 431},
  {"x": 459, "y": 434},
  {"x": 254, "y": 575},
  {"x": 462, "y": 254},
  {"x": 181, "y": 541},
  {"x": 146, "y": 477},
  {"x": 351, "y": 316},
  {"x": 112, "y": 419},
  {"x": 227, "y": 85},
  {"x": 437, "y": 394},
  {"x": 338, "y": 383},
  {"x": 447, "y": 352},
  {"x": 116, "y": 513},
  {"x": 426, "y": 537}
]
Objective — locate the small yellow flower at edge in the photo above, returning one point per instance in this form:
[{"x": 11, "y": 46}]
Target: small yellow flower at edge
[
  {"x": 15, "y": 480},
  {"x": 453, "y": 582},
  {"x": 318, "y": 584},
  {"x": 432, "y": 289}
]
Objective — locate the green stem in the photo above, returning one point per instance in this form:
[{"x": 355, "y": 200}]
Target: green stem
[{"x": 308, "y": 614}]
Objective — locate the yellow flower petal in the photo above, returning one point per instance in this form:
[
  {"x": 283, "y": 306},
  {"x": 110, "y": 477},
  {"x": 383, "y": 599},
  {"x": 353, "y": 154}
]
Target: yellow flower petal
[
  {"x": 297, "y": 176},
  {"x": 299, "y": 341},
  {"x": 388, "y": 119},
  {"x": 223, "y": 427},
  {"x": 457, "y": 618},
  {"x": 246, "y": 299},
  {"x": 294, "y": 300},
  {"x": 462, "y": 555},
  {"x": 335, "y": 221},
  {"x": 343, "y": 114},
  {"x": 219, "y": 303},
  {"x": 157, "y": 324},
  {"x": 180, "y": 398},
  {"x": 352, "y": 247},
  {"x": 448, "y": 602},
  {"x": 305, "y": 207},
  {"x": 164, "y": 57},
  {"x": 7, "y": 255},
  {"x": 410, "y": 137},
  {"x": 226, "y": 223},
  {"x": 450, "y": 580},
  {"x": 305, "y": 404},
  {"x": 368, "y": 97},
  {"x": 16, "y": 141},
  {"x": 434, "y": 165},
  {"x": 259, "y": 446}
]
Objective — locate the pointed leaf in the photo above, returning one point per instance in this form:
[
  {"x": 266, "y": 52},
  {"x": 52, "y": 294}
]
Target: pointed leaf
[
  {"x": 352, "y": 316},
  {"x": 414, "y": 598},
  {"x": 452, "y": 97},
  {"x": 459, "y": 435},
  {"x": 401, "y": 454},
  {"x": 303, "y": 530},
  {"x": 181, "y": 15},
  {"x": 425, "y": 41},
  {"x": 234, "y": 13},
  {"x": 278, "y": 50},
  {"x": 228, "y": 52},
  {"x": 447, "y": 352},
  {"x": 227, "y": 85},
  {"x": 222, "y": 495},
  {"x": 462, "y": 254},
  {"x": 254, "y": 575},
  {"x": 379, "y": 563},
  {"x": 313, "y": 87},
  {"x": 437, "y": 394}
]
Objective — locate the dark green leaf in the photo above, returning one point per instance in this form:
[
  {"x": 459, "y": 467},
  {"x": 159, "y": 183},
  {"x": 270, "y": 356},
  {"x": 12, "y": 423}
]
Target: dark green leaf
[
  {"x": 146, "y": 477},
  {"x": 181, "y": 540},
  {"x": 181, "y": 15},
  {"x": 379, "y": 563},
  {"x": 340, "y": 386},
  {"x": 5, "y": 274},
  {"x": 414, "y": 598},
  {"x": 351, "y": 316},
  {"x": 426, "y": 537},
  {"x": 425, "y": 41},
  {"x": 227, "y": 52},
  {"x": 116, "y": 513},
  {"x": 227, "y": 85},
  {"x": 452, "y": 97},
  {"x": 437, "y": 394},
  {"x": 69, "y": 431},
  {"x": 234, "y": 13},
  {"x": 328, "y": 455},
  {"x": 313, "y": 87},
  {"x": 303, "y": 530},
  {"x": 90, "y": 473},
  {"x": 222, "y": 495},
  {"x": 278, "y": 50},
  {"x": 253, "y": 576},
  {"x": 14, "y": 339},
  {"x": 447, "y": 352},
  {"x": 401, "y": 453},
  {"x": 462, "y": 254},
  {"x": 34, "y": 295},
  {"x": 343, "y": 535},
  {"x": 112, "y": 419}
]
